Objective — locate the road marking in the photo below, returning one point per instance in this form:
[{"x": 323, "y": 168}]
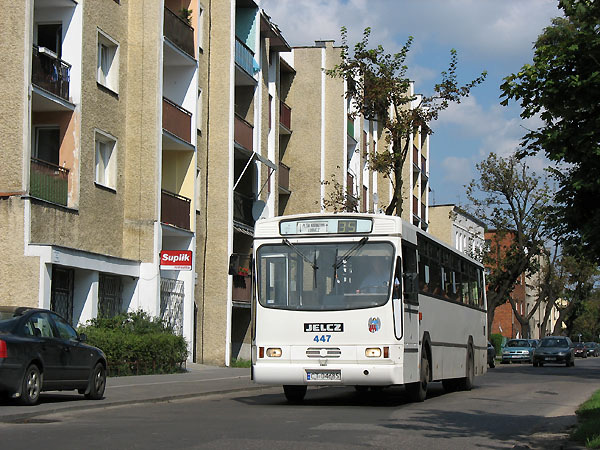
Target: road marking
[{"x": 179, "y": 381}]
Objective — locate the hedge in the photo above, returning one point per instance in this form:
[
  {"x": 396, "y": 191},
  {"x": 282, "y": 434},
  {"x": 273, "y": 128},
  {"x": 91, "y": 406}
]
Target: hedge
[
  {"x": 136, "y": 344},
  {"x": 496, "y": 340}
]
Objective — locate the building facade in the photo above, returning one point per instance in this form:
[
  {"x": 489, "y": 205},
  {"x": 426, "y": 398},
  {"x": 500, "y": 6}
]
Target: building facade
[
  {"x": 457, "y": 228},
  {"x": 144, "y": 139}
]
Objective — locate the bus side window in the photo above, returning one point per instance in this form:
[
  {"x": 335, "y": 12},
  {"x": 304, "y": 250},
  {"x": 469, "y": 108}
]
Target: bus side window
[
  {"x": 398, "y": 279},
  {"x": 409, "y": 274}
]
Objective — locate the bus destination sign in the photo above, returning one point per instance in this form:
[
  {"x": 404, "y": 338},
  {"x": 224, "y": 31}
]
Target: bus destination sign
[{"x": 326, "y": 226}]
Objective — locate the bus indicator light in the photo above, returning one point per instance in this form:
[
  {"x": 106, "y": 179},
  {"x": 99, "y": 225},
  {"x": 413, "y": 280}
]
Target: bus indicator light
[
  {"x": 386, "y": 352},
  {"x": 261, "y": 352},
  {"x": 420, "y": 316}
]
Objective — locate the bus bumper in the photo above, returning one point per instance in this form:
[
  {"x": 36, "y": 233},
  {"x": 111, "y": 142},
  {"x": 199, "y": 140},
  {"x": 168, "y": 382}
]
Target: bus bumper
[{"x": 330, "y": 375}]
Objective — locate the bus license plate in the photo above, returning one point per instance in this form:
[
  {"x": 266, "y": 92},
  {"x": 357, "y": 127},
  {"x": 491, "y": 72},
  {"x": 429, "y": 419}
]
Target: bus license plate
[{"x": 324, "y": 375}]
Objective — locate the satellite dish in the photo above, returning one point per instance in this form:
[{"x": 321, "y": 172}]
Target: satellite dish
[{"x": 259, "y": 209}]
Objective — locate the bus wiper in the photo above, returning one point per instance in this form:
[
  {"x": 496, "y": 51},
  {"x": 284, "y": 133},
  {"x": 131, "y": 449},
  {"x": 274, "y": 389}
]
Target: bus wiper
[
  {"x": 304, "y": 257},
  {"x": 346, "y": 256}
]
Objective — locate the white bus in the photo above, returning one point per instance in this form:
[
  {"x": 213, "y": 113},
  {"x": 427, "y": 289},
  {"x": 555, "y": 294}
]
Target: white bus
[{"x": 364, "y": 300}]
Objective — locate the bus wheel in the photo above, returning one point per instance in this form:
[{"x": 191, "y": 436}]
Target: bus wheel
[
  {"x": 466, "y": 383},
  {"x": 293, "y": 393},
  {"x": 417, "y": 392}
]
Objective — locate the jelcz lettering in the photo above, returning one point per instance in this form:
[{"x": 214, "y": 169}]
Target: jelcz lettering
[{"x": 324, "y": 327}]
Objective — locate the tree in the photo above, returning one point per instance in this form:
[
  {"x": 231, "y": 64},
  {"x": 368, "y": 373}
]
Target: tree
[
  {"x": 513, "y": 202},
  {"x": 380, "y": 89},
  {"x": 562, "y": 87}
]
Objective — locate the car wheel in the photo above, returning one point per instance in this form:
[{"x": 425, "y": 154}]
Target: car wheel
[
  {"x": 97, "y": 383},
  {"x": 535, "y": 364},
  {"x": 31, "y": 386},
  {"x": 492, "y": 364},
  {"x": 293, "y": 393},
  {"x": 418, "y": 391}
]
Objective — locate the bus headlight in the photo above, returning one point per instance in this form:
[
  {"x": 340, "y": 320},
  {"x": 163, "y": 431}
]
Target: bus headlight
[
  {"x": 373, "y": 352},
  {"x": 274, "y": 352}
]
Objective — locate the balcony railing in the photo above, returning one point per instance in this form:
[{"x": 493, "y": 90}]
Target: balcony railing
[
  {"x": 285, "y": 115},
  {"x": 243, "y": 133},
  {"x": 177, "y": 120},
  {"x": 242, "y": 208},
  {"x": 423, "y": 166},
  {"x": 350, "y": 127},
  {"x": 244, "y": 57},
  {"x": 179, "y": 32},
  {"x": 175, "y": 210},
  {"x": 242, "y": 279},
  {"x": 49, "y": 182},
  {"x": 50, "y": 73},
  {"x": 284, "y": 176}
]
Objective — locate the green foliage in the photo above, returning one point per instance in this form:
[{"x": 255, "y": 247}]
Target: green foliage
[
  {"x": 136, "y": 344},
  {"x": 381, "y": 90},
  {"x": 242, "y": 363},
  {"x": 562, "y": 87},
  {"x": 339, "y": 199},
  {"x": 496, "y": 340},
  {"x": 186, "y": 15},
  {"x": 587, "y": 322},
  {"x": 588, "y": 429},
  {"x": 514, "y": 202}
]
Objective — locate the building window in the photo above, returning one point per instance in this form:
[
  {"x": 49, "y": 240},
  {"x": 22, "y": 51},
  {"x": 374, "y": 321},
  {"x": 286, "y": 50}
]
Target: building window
[
  {"x": 200, "y": 26},
  {"x": 108, "y": 62},
  {"x": 199, "y": 111},
  {"x": 47, "y": 144},
  {"x": 198, "y": 190},
  {"x": 106, "y": 160}
]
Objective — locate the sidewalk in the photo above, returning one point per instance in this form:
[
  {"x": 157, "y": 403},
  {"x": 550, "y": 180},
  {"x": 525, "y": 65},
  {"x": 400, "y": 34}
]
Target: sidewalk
[{"x": 199, "y": 380}]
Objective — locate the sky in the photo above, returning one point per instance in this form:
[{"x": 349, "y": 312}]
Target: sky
[{"x": 492, "y": 35}]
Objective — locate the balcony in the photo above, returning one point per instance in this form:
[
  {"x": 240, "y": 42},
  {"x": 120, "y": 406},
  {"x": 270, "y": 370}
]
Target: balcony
[
  {"x": 179, "y": 32},
  {"x": 424, "y": 167},
  {"x": 285, "y": 117},
  {"x": 177, "y": 120},
  {"x": 416, "y": 206},
  {"x": 284, "y": 178},
  {"x": 244, "y": 57},
  {"x": 49, "y": 182},
  {"x": 350, "y": 127},
  {"x": 243, "y": 133},
  {"x": 175, "y": 210},
  {"x": 242, "y": 208},
  {"x": 242, "y": 279},
  {"x": 50, "y": 73}
]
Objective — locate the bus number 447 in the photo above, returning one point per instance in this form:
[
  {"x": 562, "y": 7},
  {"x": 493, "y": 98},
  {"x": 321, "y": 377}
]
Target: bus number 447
[{"x": 322, "y": 338}]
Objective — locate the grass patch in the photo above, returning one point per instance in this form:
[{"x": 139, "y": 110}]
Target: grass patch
[
  {"x": 244, "y": 363},
  {"x": 588, "y": 429}
]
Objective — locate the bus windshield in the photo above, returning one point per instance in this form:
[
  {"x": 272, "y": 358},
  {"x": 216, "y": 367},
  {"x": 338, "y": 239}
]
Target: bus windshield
[{"x": 324, "y": 276}]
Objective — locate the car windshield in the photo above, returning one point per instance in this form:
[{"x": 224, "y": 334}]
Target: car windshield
[
  {"x": 554, "y": 343},
  {"x": 324, "y": 276},
  {"x": 518, "y": 343},
  {"x": 579, "y": 345}
]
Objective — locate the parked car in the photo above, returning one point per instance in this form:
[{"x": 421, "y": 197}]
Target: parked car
[
  {"x": 593, "y": 348},
  {"x": 40, "y": 351},
  {"x": 554, "y": 350},
  {"x": 534, "y": 342},
  {"x": 491, "y": 355},
  {"x": 517, "y": 350},
  {"x": 580, "y": 350}
]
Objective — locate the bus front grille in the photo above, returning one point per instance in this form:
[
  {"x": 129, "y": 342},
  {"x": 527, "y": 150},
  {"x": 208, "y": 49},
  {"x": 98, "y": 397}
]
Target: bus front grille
[{"x": 329, "y": 352}]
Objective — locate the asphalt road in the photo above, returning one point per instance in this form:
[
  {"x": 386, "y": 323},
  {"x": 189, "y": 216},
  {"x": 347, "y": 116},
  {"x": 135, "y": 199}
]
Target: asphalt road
[{"x": 512, "y": 406}]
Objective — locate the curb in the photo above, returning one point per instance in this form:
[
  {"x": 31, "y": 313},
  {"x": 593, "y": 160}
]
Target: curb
[{"x": 22, "y": 417}]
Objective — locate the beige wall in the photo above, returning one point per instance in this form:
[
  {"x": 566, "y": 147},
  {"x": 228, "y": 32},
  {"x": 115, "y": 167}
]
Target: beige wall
[
  {"x": 16, "y": 53},
  {"x": 19, "y": 274},
  {"x": 213, "y": 303},
  {"x": 440, "y": 223}
]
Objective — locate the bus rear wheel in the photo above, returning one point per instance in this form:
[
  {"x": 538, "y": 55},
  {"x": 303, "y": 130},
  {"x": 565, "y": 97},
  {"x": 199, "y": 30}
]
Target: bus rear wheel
[
  {"x": 417, "y": 392},
  {"x": 466, "y": 383},
  {"x": 294, "y": 393}
]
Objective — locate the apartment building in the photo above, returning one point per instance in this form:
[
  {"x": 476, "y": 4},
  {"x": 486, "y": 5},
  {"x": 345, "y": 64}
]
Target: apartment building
[
  {"x": 101, "y": 134},
  {"x": 505, "y": 321},
  {"x": 243, "y": 178},
  {"x": 457, "y": 228}
]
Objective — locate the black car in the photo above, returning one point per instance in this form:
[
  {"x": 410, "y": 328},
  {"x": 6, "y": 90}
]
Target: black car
[
  {"x": 580, "y": 350},
  {"x": 491, "y": 355},
  {"x": 40, "y": 351},
  {"x": 554, "y": 350},
  {"x": 593, "y": 349}
]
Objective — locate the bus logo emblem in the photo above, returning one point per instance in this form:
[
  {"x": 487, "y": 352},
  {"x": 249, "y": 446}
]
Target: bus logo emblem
[
  {"x": 323, "y": 327},
  {"x": 374, "y": 324}
]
